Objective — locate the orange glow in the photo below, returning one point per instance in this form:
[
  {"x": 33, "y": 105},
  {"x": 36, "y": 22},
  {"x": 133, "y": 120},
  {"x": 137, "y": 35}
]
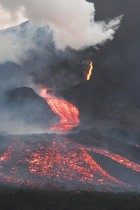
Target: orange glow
[
  {"x": 6, "y": 155},
  {"x": 68, "y": 113},
  {"x": 58, "y": 161},
  {"x": 90, "y": 71},
  {"x": 74, "y": 163},
  {"x": 119, "y": 159}
]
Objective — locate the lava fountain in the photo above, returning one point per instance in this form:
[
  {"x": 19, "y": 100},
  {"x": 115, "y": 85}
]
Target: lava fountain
[
  {"x": 68, "y": 113},
  {"x": 89, "y": 73}
]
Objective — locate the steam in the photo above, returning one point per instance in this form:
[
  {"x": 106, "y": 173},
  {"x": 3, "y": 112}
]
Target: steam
[
  {"x": 8, "y": 20},
  {"x": 72, "y": 21}
]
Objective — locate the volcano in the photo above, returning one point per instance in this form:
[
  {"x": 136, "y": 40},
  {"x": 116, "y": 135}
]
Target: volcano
[{"x": 56, "y": 162}]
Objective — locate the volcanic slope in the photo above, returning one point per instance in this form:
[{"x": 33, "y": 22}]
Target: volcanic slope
[{"x": 56, "y": 162}]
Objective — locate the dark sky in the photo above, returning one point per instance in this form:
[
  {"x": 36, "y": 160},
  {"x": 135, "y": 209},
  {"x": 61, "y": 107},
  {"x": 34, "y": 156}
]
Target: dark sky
[
  {"x": 112, "y": 94},
  {"x": 116, "y": 72}
]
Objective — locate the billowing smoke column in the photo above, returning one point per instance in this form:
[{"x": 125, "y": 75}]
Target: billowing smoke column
[{"x": 72, "y": 22}]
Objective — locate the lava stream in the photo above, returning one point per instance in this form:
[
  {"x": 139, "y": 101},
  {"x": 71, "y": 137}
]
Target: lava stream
[{"x": 68, "y": 113}]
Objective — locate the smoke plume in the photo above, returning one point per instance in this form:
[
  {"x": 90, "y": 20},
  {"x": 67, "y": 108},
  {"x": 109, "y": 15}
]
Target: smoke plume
[
  {"x": 72, "y": 21},
  {"x": 8, "y": 20}
]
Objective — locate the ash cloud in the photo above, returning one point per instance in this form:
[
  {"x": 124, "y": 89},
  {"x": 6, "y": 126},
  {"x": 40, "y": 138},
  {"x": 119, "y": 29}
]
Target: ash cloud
[
  {"x": 8, "y": 20},
  {"x": 72, "y": 23},
  {"x": 49, "y": 49},
  {"x": 36, "y": 61}
]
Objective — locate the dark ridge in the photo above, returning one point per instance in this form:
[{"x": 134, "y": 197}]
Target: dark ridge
[
  {"x": 25, "y": 104},
  {"x": 15, "y": 199}
]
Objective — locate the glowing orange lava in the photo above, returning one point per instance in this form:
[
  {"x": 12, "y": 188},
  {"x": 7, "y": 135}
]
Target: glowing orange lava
[
  {"x": 54, "y": 162},
  {"x": 67, "y": 162},
  {"x": 88, "y": 76},
  {"x": 117, "y": 158},
  {"x": 68, "y": 113},
  {"x": 58, "y": 162}
]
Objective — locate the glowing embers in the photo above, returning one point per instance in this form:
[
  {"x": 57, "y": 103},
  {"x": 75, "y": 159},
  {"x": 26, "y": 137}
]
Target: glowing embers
[
  {"x": 68, "y": 113},
  {"x": 59, "y": 163},
  {"x": 70, "y": 162},
  {"x": 89, "y": 73}
]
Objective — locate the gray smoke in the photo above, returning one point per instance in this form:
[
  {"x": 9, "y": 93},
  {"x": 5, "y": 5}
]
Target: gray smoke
[
  {"x": 72, "y": 23},
  {"x": 8, "y": 20}
]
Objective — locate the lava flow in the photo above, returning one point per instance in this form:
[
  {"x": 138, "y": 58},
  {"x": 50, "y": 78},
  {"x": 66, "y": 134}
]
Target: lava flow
[
  {"x": 89, "y": 73},
  {"x": 68, "y": 113},
  {"x": 58, "y": 163},
  {"x": 124, "y": 161},
  {"x": 54, "y": 162}
]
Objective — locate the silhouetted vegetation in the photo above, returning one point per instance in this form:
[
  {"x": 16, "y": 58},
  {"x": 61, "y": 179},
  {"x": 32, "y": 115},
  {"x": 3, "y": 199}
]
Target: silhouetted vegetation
[{"x": 13, "y": 199}]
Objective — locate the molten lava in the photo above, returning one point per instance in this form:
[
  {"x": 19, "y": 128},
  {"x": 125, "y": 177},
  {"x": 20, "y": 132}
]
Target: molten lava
[
  {"x": 89, "y": 73},
  {"x": 123, "y": 161},
  {"x": 55, "y": 162},
  {"x": 68, "y": 113},
  {"x": 58, "y": 163}
]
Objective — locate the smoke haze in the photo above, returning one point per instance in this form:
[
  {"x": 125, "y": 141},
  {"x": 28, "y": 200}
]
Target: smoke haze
[
  {"x": 8, "y": 20},
  {"x": 17, "y": 42}
]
